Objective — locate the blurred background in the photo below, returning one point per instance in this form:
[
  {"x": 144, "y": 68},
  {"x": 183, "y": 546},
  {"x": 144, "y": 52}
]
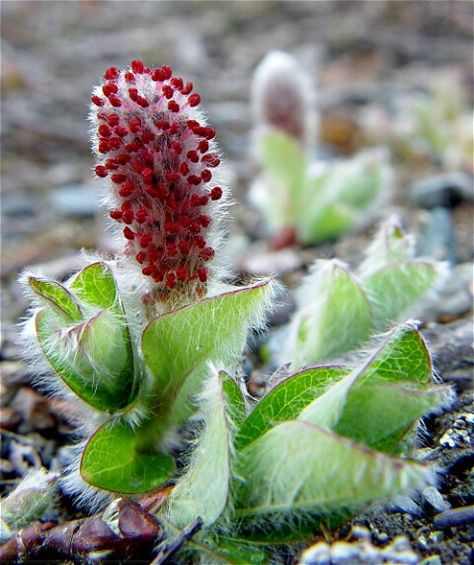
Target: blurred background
[{"x": 364, "y": 58}]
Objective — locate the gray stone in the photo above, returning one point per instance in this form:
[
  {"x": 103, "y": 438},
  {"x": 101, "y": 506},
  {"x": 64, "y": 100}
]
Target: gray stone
[
  {"x": 432, "y": 502},
  {"x": 444, "y": 190},
  {"x": 437, "y": 238},
  {"x": 455, "y": 517},
  {"x": 405, "y": 504}
]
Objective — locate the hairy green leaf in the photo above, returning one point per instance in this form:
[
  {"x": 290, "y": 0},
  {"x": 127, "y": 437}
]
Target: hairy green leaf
[
  {"x": 180, "y": 342},
  {"x": 395, "y": 288},
  {"x": 401, "y": 356},
  {"x": 204, "y": 489},
  {"x": 96, "y": 286},
  {"x": 113, "y": 462},
  {"x": 380, "y": 415},
  {"x": 286, "y": 400},
  {"x": 58, "y": 297},
  {"x": 323, "y": 329},
  {"x": 379, "y": 401},
  {"x": 228, "y": 551},
  {"x": 357, "y": 182},
  {"x": 94, "y": 358},
  {"x": 297, "y": 469}
]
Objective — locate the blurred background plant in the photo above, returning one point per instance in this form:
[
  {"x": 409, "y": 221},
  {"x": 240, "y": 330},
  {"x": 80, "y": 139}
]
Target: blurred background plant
[{"x": 301, "y": 198}]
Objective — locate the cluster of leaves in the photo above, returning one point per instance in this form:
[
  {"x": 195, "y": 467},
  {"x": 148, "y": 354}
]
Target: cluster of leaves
[
  {"x": 339, "y": 310},
  {"x": 136, "y": 384},
  {"x": 316, "y": 200},
  {"x": 319, "y": 201},
  {"x": 319, "y": 446}
]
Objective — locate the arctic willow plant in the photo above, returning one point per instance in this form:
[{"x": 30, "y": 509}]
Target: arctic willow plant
[
  {"x": 138, "y": 343},
  {"x": 129, "y": 339},
  {"x": 306, "y": 201},
  {"x": 338, "y": 310},
  {"x": 321, "y": 445}
]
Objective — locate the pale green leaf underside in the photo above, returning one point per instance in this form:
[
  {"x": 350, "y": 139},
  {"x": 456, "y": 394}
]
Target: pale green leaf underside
[
  {"x": 96, "y": 286},
  {"x": 331, "y": 330},
  {"x": 93, "y": 358},
  {"x": 284, "y": 161},
  {"x": 234, "y": 399},
  {"x": 58, "y": 297},
  {"x": 204, "y": 489},
  {"x": 395, "y": 288},
  {"x": 177, "y": 343},
  {"x": 285, "y": 401},
  {"x": 112, "y": 462},
  {"x": 298, "y": 467}
]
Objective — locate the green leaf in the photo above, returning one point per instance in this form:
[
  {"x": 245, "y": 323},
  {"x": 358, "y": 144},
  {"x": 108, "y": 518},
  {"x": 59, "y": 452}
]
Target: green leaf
[
  {"x": 391, "y": 245},
  {"x": 284, "y": 161},
  {"x": 402, "y": 356},
  {"x": 228, "y": 551},
  {"x": 297, "y": 469},
  {"x": 329, "y": 222},
  {"x": 204, "y": 489},
  {"x": 357, "y": 182},
  {"x": 182, "y": 341},
  {"x": 94, "y": 358},
  {"x": 322, "y": 328},
  {"x": 379, "y": 401},
  {"x": 96, "y": 286},
  {"x": 381, "y": 415},
  {"x": 234, "y": 399},
  {"x": 111, "y": 461},
  {"x": 286, "y": 400},
  {"x": 395, "y": 288},
  {"x": 56, "y": 295},
  {"x": 398, "y": 357}
]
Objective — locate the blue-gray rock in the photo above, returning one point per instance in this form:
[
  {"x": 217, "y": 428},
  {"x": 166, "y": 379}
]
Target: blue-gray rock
[
  {"x": 405, "y": 504},
  {"x": 437, "y": 236},
  {"x": 455, "y": 517},
  {"x": 432, "y": 501},
  {"x": 446, "y": 190}
]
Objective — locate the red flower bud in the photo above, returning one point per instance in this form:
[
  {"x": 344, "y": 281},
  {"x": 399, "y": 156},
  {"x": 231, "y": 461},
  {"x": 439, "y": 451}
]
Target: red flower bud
[{"x": 159, "y": 149}]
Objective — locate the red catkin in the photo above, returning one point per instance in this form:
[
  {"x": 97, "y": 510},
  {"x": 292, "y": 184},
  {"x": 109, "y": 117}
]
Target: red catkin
[{"x": 158, "y": 151}]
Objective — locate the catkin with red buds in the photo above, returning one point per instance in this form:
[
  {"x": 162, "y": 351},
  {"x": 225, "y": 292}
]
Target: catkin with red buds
[{"x": 159, "y": 154}]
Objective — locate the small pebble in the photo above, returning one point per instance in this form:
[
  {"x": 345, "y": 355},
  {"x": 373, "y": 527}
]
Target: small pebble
[
  {"x": 444, "y": 190},
  {"x": 405, "y": 504},
  {"x": 359, "y": 532},
  {"x": 454, "y": 517},
  {"x": 432, "y": 502},
  {"x": 437, "y": 236},
  {"x": 343, "y": 552},
  {"x": 317, "y": 554}
]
